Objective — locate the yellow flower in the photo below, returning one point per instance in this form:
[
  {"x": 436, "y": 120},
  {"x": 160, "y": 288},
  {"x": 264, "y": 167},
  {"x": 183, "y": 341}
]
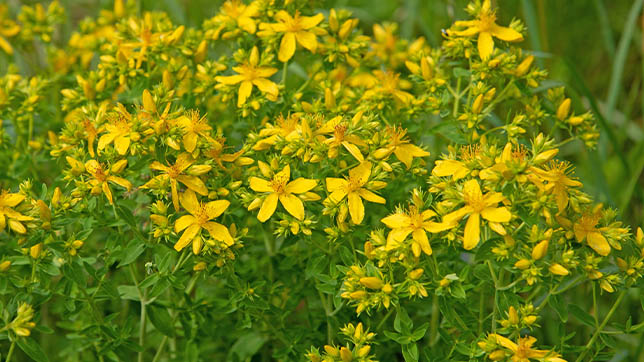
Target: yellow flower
[
  {"x": 557, "y": 175},
  {"x": 119, "y": 131},
  {"x": 23, "y": 324},
  {"x": 216, "y": 153},
  {"x": 234, "y": 13},
  {"x": 353, "y": 189},
  {"x": 412, "y": 222},
  {"x": 200, "y": 218},
  {"x": 279, "y": 188},
  {"x": 586, "y": 229},
  {"x": 485, "y": 26},
  {"x": 341, "y": 138},
  {"x": 10, "y": 216},
  {"x": 175, "y": 174},
  {"x": 8, "y": 29},
  {"x": 194, "y": 126},
  {"x": 478, "y": 205},
  {"x": 454, "y": 168},
  {"x": 101, "y": 178},
  {"x": 250, "y": 75},
  {"x": 400, "y": 146},
  {"x": 296, "y": 29},
  {"x": 523, "y": 351}
]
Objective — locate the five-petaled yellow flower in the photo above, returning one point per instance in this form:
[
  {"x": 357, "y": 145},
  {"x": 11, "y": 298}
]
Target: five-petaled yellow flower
[
  {"x": 250, "y": 75},
  {"x": 586, "y": 229},
  {"x": 10, "y": 216},
  {"x": 175, "y": 173},
  {"x": 119, "y": 131},
  {"x": 400, "y": 146},
  {"x": 353, "y": 189},
  {"x": 485, "y": 26},
  {"x": 413, "y": 222},
  {"x": 296, "y": 29},
  {"x": 194, "y": 126},
  {"x": 101, "y": 177},
  {"x": 523, "y": 351},
  {"x": 200, "y": 218},
  {"x": 281, "y": 189},
  {"x": 478, "y": 205}
]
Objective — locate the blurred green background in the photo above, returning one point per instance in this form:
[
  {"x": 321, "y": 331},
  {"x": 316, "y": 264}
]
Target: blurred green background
[{"x": 594, "y": 47}]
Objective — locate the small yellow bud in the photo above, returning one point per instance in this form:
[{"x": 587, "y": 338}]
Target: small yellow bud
[
  {"x": 199, "y": 266},
  {"x": 332, "y": 351},
  {"x": 416, "y": 273},
  {"x": 529, "y": 320},
  {"x": 558, "y": 269},
  {"x": 5, "y": 265},
  {"x": 477, "y": 106},
  {"x": 513, "y": 316},
  {"x": 524, "y": 66},
  {"x": 372, "y": 282},
  {"x": 77, "y": 244},
  {"x": 575, "y": 120},
  {"x": 497, "y": 355},
  {"x": 444, "y": 283},
  {"x": 564, "y": 109},
  {"x": 522, "y": 264},
  {"x": 605, "y": 285},
  {"x": 540, "y": 250},
  {"x": 358, "y": 294},
  {"x": 364, "y": 351},
  {"x": 387, "y": 288},
  {"x": 35, "y": 251}
]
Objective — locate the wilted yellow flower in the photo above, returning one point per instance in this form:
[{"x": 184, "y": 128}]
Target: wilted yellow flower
[
  {"x": 353, "y": 189},
  {"x": 485, "y": 26},
  {"x": 586, "y": 229},
  {"x": 477, "y": 205},
  {"x": 200, "y": 218},
  {"x": 279, "y": 188}
]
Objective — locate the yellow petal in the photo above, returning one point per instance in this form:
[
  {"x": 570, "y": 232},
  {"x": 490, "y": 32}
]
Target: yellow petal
[
  {"x": 506, "y": 34},
  {"x": 300, "y": 185},
  {"x": 187, "y": 237},
  {"x": 230, "y": 80},
  {"x": 219, "y": 232},
  {"x": 293, "y": 205},
  {"x": 268, "y": 207},
  {"x": 11, "y": 200},
  {"x": 370, "y": 196},
  {"x": 356, "y": 208},
  {"x": 307, "y": 22},
  {"x": 108, "y": 192},
  {"x": 120, "y": 181},
  {"x": 266, "y": 86},
  {"x": 473, "y": 189},
  {"x": 485, "y": 45},
  {"x": 287, "y": 47},
  {"x": 307, "y": 40},
  {"x": 457, "y": 215},
  {"x": 360, "y": 174},
  {"x": 598, "y": 242},
  {"x": 183, "y": 222},
  {"x": 190, "y": 141},
  {"x": 194, "y": 183},
  {"x": 189, "y": 202},
  {"x": 496, "y": 214},
  {"x": 245, "y": 89},
  {"x": 17, "y": 226},
  {"x": 397, "y": 220},
  {"x": 216, "y": 208},
  {"x": 472, "y": 234},
  {"x": 121, "y": 144},
  {"x": 335, "y": 184},
  {"x": 148, "y": 102},
  {"x": 420, "y": 237},
  {"x": 450, "y": 168},
  {"x": 105, "y": 140},
  {"x": 260, "y": 185},
  {"x": 353, "y": 150}
]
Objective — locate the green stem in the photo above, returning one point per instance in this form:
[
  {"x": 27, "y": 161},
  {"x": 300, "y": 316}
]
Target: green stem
[
  {"x": 433, "y": 331},
  {"x": 384, "y": 319},
  {"x": 601, "y": 326},
  {"x": 10, "y": 353},
  {"x": 457, "y": 97}
]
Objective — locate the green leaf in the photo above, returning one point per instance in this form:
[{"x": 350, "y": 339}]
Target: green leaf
[
  {"x": 559, "y": 306},
  {"x": 581, "y": 315},
  {"x": 129, "y": 292},
  {"x": 132, "y": 251},
  {"x": 419, "y": 333},
  {"x": 248, "y": 345},
  {"x": 161, "y": 320},
  {"x": 410, "y": 352},
  {"x": 402, "y": 322},
  {"x": 32, "y": 349}
]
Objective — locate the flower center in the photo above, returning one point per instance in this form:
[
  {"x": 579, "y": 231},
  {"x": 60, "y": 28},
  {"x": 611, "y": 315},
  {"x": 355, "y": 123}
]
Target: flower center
[
  {"x": 416, "y": 218},
  {"x": 474, "y": 200},
  {"x": 486, "y": 21},
  {"x": 279, "y": 182}
]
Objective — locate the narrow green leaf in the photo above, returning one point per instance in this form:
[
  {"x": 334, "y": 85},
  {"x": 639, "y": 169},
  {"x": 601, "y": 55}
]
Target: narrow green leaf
[
  {"x": 161, "y": 320},
  {"x": 32, "y": 349},
  {"x": 581, "y": 315}
]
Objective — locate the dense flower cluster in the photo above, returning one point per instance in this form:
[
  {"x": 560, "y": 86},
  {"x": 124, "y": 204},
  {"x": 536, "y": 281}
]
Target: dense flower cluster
[{"x": 275, "y": 131}]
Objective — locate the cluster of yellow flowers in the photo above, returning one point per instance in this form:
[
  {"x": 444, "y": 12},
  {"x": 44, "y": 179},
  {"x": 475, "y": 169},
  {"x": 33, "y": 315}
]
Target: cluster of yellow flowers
[{"x": 195, "y": 146}]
